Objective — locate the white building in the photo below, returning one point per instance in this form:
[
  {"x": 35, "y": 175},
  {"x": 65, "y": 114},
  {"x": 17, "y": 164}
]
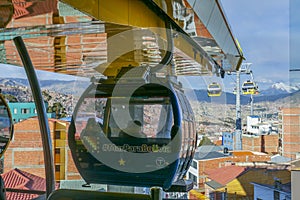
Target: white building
[
  {"x": 277, "y": 191},
  {"x": 255, "y": 126},
  {"x": 251, "y": 122}
]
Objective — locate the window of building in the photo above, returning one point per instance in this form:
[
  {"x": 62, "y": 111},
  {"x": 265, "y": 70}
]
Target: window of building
[
  {"x": 57, "y": 155},
  {"x": 276, "y": 195},
  {"x": 57, "y": 168},
  {"x": 193, "y": 178},
  {"x": 15, "y": 110},
  {"x": 57, "y": 151},
  {"x": 194, "y": 164},
  {"x": 57, "y": 135},
  {"x": 25, "y": 110}
]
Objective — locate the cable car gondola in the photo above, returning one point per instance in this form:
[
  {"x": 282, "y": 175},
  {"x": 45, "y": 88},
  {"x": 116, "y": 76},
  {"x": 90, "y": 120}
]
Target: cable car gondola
[
  {"x": 249, "y": 87},
  {"x": 214, "y": 90},
  {"x": 160, "y": 110}
]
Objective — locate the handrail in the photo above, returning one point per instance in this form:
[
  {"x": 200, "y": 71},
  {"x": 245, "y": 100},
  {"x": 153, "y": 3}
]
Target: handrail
[{"x": 41, "y": 112}]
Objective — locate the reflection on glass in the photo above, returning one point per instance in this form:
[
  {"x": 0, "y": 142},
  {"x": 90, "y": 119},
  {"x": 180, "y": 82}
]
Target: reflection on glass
[{"x": 5, "y": 125}]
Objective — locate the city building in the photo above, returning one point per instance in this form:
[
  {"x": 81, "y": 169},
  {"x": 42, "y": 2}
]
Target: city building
[
  {"x": 25, "y": 151},
  {"x": 276, "y": 191},
  {"x": 251, "y": 122},
  {"x": 24, "y": 110},
  {"x": 289, "y": 132},
  {"x": 228, "y": 140},
  {"x": 234, "y": 182},
  {"x": 261, "y": 143},
  {"x": 295, "y": 182},
  {"x": 212, "y": 157},
  {"x": 255, "y": 126},
  {"x": 266, "y": 143},
  {"x": 258, "y": 136}
]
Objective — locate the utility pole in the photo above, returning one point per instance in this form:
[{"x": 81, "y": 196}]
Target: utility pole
[
  {"x": 238, "y": 122},
  {"x": 251, "y": 104}
]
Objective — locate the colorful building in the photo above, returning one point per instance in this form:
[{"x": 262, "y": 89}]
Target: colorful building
[
  {"x": 276, "y": 191},
  {"x": 25, "y": 151},
  {"x": 236, "y": 182},
  {"x": 212, "y": 157},
  {"x": 24, "y": 110},
  {"x": 228, "y": 140},
  {"x": 289, "y": 132}
]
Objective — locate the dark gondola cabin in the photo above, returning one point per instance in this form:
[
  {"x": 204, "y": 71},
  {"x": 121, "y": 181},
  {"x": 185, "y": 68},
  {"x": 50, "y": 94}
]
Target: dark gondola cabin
[{"x": 135, "y": 134}]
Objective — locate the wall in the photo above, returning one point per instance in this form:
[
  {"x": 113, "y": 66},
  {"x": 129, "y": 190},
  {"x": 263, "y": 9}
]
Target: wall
[
  {"x": 289, "y": 131},
  {"x": 261, "y": 143},
  {"x": 237, "y": 157},
  {"x": 242, "y": 185},
  {"x": 263, "y": 193},
  {"x": 25, "y": 151}
]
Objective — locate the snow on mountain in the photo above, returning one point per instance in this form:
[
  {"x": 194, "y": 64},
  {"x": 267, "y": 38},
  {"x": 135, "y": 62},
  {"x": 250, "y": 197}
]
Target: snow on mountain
[
  {"x": 284, "y": 87},
  {"x": 4, "y": 82}
]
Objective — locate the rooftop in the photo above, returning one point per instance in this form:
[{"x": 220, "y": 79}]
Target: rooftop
[
  {"x": 225, "y": 174},
  {"x": 281, "y": 187},
  {"x": 22, "y": 181}
]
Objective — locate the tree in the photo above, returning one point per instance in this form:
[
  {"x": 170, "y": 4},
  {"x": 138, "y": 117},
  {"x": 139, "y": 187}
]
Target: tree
[
  {"x": 206, "y": 141},
  {"x": 58, "y": 109}
]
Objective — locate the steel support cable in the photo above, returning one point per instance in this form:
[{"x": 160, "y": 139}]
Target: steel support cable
[{"x": 41, "y": 111}]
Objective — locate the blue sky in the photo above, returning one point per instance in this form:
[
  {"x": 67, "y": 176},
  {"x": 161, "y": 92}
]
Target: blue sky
[{"x": 262, "y": 28}]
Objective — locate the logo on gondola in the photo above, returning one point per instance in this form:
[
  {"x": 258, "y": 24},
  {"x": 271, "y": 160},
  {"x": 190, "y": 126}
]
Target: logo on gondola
[
  {"x": 122, "y": 162},
  {"x": 160, "y": 162},
  {"x": 144, "y": 148}
]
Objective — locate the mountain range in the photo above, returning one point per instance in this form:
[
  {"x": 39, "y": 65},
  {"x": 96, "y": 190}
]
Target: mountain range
[
  {"x": 277, "y": 91},
  {"x": 60, "y": 86}
]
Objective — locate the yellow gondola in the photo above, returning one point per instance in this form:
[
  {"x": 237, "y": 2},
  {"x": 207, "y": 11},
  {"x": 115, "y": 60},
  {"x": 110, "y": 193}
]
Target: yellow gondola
[
  {"x": 214, "y": 90},
  {"x": 249, "y": 87}
]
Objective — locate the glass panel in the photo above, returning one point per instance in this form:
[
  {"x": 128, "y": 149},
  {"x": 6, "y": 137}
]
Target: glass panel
[{"x": 5, "y": 126}]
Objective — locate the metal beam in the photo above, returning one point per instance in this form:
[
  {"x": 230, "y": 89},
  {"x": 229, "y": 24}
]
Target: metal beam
[{"x": 143, "y": 14}]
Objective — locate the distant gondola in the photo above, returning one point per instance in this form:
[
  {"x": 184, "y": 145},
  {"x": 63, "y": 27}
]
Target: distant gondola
[
  {"x": 162, "y": 113},
  {"x": 249, "y": 87},
  {"x": 214, "y": 90}
]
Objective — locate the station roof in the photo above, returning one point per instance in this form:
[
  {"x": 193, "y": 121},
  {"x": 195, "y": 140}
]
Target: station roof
[{"x": 72, "y": 37}]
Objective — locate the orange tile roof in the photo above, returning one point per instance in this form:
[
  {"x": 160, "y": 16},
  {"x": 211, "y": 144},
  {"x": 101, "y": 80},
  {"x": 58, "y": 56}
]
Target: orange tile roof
[
  {"x": 23, "y": 8},
  {"x": 218, "y": 142},
  {"x": 18, "y": 179},
  {"x": 20, "y": 8},
  {"x": 225, "y": 174}
]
